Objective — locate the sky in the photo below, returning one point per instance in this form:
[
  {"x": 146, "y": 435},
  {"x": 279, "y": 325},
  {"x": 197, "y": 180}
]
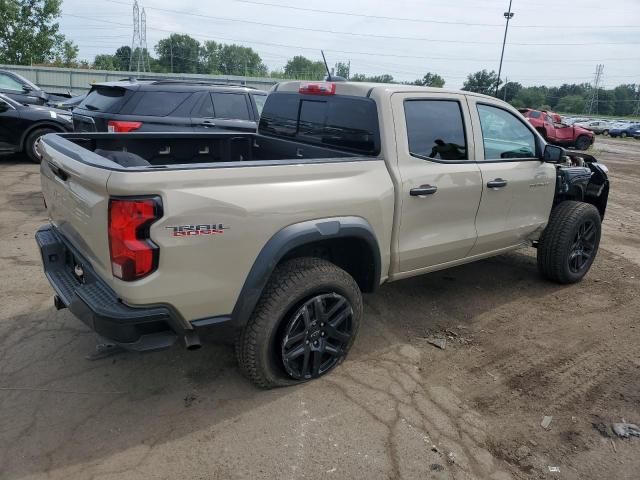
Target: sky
[{"x": 549, "y": 42}]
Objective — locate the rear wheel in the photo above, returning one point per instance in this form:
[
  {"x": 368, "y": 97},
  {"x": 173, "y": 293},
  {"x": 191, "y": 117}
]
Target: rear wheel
[
  {"x": 303, "y": 325},
  {"x": 605, "y": 133},
  {"x": 570, "y": 242},
  {"x": 32, "y": 141},
  {"x": 583, "y": 142},
  {"x": 623, "y": 135}
]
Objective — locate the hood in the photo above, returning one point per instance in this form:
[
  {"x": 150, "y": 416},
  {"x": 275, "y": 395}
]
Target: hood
[{"x": 582, "y": 130}]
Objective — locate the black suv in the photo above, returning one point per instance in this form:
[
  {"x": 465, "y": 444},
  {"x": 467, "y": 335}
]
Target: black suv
[{"x": 168, "y": 106}]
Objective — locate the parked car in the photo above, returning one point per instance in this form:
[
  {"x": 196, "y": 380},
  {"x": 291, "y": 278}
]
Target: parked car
[
  {"x": 596, "y": 126},
  {"x": 623, "y": 131},
  {"x": 558, "y": 133},
  {"x": 168, "y": 106},
  {"x": 23, "y": 91},
  {"x": 345, "y": 186},
  {"x": 21, "y": 126}
]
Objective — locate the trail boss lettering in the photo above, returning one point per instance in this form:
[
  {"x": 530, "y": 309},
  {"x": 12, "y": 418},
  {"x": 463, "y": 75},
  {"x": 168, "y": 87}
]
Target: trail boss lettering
[{"x": 197, "y": 230}]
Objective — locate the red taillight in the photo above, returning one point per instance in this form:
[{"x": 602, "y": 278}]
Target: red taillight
[
  {"x": 318, "y": 88},
  {"x": 133, "y": 254},
  {"x": 117, "y": 126}
]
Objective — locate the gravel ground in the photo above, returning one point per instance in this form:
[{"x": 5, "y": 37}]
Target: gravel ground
[{"x": 518, "y": 348}]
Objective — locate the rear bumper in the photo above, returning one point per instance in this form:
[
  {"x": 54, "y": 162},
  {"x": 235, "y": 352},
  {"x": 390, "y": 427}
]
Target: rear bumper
[{"x": 79, "y": 289}]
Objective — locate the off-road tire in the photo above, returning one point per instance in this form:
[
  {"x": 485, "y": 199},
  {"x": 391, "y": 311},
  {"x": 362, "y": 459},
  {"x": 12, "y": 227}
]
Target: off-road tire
[
  {"x": 30, "y": 143},
  {"x": 582, "y": 142},
  {"x": 558, "y": 240},
  {"x": 258, "y": 346}
]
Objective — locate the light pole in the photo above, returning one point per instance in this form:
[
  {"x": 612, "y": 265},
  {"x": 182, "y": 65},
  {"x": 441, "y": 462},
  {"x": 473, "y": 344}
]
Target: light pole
[{"x": 508, "y": 15}]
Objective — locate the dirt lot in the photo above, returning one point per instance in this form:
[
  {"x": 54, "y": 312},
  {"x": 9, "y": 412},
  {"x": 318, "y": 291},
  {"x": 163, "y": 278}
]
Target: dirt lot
[{"x": 518, "y": 348}]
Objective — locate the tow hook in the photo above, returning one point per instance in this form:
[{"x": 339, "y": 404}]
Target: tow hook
[{"x": 58, "y": 303}]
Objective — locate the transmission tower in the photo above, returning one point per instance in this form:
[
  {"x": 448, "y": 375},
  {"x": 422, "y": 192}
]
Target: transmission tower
[
  {"x": 139, "y": 60},
  {"x": 592, "y": 102},
  {"x": 143, "y": 42}
]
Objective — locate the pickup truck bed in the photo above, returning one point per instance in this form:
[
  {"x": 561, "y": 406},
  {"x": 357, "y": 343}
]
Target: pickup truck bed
[{"x": 161, "y": 150}]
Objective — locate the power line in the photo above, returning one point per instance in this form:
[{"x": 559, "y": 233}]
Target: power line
[
  {"x": 415, "y": 20},
  {"x": 348, "y": 52},
  {"x": 369, "y": 35}
]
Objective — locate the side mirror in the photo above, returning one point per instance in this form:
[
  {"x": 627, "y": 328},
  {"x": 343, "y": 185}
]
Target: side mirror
[
  {"x": 553, "y": 154},
  {"x": 26, "y": 88}
]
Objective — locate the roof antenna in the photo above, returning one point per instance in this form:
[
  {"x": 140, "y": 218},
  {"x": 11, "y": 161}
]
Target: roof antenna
[{"x": 326, "y": 66}]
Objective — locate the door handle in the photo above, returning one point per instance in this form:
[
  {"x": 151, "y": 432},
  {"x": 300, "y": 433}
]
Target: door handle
[
  {"x": 497, "y": 183},
  {"x": 423, "y": 190},
  {"x": 208, "y": 123}
]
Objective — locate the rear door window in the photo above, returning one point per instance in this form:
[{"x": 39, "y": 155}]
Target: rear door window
[
  {"x": 9, "y": 83},
  {"x": 157, "y": 104},
  {"x": 344, "y": 122},
  {"x": 435, "y": 129},
  {"x": 230, "y": 105},
  {"x": 260, "y": 101}
]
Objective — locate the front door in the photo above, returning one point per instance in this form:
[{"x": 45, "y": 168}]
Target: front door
[
  {"x": 440, "y": 183},
  {"x": 518, "y": 188}
]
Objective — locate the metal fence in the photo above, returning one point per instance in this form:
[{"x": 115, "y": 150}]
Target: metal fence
[{"x": 77, "y": 81}]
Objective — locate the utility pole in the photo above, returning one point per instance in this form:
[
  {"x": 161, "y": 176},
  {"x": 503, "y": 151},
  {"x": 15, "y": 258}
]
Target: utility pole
[
  {"x": 171, "y": 49},
  {"x": 592, "y": 102},
  {"x": 506, "y": 82},
  {"x": 508, "y": 15}
]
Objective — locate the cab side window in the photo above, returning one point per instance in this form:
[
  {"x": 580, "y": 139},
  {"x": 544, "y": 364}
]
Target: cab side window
[
  {"x": 435, "y": 129},
  {"x": 8, "y": 83},
  {"x": 504, "y": 135}
]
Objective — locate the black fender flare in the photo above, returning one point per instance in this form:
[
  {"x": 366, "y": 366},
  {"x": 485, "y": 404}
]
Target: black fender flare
[{"x": 294, "y": 236}]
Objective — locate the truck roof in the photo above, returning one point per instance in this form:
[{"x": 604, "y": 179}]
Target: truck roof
[{"x": 364, "y": 89}]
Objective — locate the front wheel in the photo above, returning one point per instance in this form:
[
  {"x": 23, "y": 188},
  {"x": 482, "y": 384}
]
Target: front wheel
[
  {"x": 569, "y": 244},
  {"x": 32, "y": 141},
  {"x": 303, "y": 325},
  {"x": 583, "y": 142},
  {"x": 623, "y": 135},
  {"x": 605, "y": 133}
]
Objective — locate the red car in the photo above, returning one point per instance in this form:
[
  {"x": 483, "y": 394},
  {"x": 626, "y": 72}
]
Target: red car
[{"x": 550, "y": 126}]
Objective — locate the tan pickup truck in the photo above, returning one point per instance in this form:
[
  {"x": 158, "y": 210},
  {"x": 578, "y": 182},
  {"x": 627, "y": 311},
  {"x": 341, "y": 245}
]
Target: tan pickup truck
[{"x": 345, "y": 186}]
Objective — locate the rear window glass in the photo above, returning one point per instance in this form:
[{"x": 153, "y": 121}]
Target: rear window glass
[
  {"x": 534, "y": 114},
  {"x": 435, "y": 129},
  {"x": 230, "y": 105},
  {"x": 103, "y": 99},
  {"x": 349, "y": 123},
  {"x": 159, "y": 104}
]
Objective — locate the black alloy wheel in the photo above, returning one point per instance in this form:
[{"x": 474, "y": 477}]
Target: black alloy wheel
[
  {"x": 583, "y": 247},
  {"x": 317, "y": 336}
]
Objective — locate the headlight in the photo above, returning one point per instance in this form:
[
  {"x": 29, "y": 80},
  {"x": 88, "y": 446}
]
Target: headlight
[{"x": 66, "y": 118}]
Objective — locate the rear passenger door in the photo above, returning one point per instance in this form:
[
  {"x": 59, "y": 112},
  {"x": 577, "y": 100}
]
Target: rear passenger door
[
  {"x": 517, "y": 187},
  {"x": 224, "y": 111},
  {"x": 440, "y": 183}
]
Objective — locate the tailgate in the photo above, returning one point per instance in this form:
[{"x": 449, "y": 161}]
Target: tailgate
[{"x": 74, "y": 185}]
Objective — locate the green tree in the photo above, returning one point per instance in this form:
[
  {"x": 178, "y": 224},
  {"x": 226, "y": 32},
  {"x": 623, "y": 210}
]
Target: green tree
[
  {"x": 532, "y": 97},
  {"x": 342, "y": 70},
  {"x": 179, "y": 53},
  {"x": 122, "y": 58},
  {"x": 29, "y": 32},
  {"x": 237, "y": 60},
  {"x": 509, "y": 91},
  {"x": 104, "y": 62},
  {"x": 430, "y": 80},
  {"x": 384, "y": 78},
  {"x": 571, "y": 104},
  {"x": 67, "y": 55},
  {"x": 210, "y": 57},
  {"x": 481, "y": 82},
  {"x": 302, "y": 68}
]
